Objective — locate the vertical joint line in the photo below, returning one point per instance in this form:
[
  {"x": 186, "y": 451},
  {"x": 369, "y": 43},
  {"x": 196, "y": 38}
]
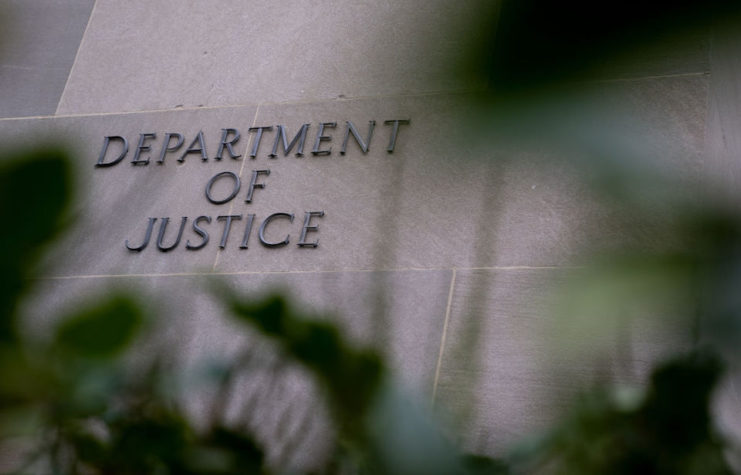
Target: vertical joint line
[
  {"x": 442, "y": 339},
  {"x": 241, "y": 169}
]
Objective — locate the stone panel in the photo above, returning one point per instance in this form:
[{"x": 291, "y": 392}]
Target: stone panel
[
  {"x": 448, "y": 196},
  {"x": 685, "y": 53},
  {"x": 38, "y": 45},
  {"x": 421, "y": 207},
  {"x": 401, "y": 312},
  {"x": 134, "y": 59},
  {"x": 511, "y": 363},
  {"x": 113, "y": 203},
  {"x": 142, "y": 55},
  {"x": 275, "y": 399}
]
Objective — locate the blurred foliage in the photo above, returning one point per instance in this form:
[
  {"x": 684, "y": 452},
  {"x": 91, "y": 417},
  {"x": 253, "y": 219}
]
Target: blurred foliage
[
  {"x": 352, "y": 377},
  {"x": 673, "y": 259},
  {"x": 77, "y": 406},
  {"x": 667, "y": 430},
  {"x": 36, "y": 222},
  {"x": 536, "y": 44},
  {"x": 76, "y": 403},
  {"x": 73, "y": 404}
]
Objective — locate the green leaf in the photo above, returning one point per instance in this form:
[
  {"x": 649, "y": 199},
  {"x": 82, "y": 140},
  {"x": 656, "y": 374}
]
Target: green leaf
[
  {"x": 351, "y": 376},
  {"x": 101, "y": 331},
  {"x": 35, "y": 189}
]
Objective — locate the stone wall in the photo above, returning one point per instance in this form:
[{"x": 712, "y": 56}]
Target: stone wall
[{"x": 442, "y": 252}]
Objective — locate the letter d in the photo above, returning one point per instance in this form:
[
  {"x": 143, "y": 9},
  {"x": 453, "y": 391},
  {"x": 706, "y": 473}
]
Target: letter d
[{"x": 106, "y": 142}]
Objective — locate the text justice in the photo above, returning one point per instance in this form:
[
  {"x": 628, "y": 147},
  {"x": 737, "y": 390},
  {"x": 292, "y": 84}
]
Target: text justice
[
  {"x": 202, "y": 233},
  {"x": 200, "y": 230}
]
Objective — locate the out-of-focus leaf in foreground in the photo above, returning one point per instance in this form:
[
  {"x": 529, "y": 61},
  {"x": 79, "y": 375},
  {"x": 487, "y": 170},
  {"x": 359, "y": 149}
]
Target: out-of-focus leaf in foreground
[
  {"x": 379, "y": 428},
  {"x": 669, "y": 431},
  {"x": 35, "y": 190},
  {"x": 101, "y": 331},
  {"x": 538, "y": 44},
  {"x": 352, "y": 376}
]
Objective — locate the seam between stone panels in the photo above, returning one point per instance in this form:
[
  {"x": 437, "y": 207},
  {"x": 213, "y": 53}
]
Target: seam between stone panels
[
  {"x": 710, "y": 109},
  {"x": 314, "y": 101},
  {"x": 645, "y": 78},
  {"x": 147, "y": 111},
  {"x": 518, "y": 267},
  {"x": 376, "y": 96},
  {"x": 442, "y": 339},
  {"x": 241, "y": 169},
  {"x": 322, "y": 271},
  {"x": 31, "y": 68},
  {"x": 237, "y": 106},
  {"x": 77, "y": 54}
]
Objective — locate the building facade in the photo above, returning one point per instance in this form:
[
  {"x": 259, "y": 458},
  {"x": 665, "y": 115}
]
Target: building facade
[{"x": 341, "y": 154}]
